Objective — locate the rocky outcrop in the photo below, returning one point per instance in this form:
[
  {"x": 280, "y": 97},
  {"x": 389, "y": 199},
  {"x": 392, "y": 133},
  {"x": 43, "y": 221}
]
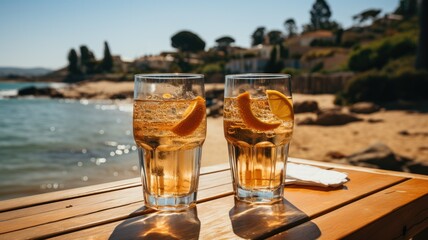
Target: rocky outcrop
[
  {"x": 379, "y": 156},
  {"x": 123, "y": 95},
  {"x": 214, "y": 99},
  {"x": 306, "y": 106},
  {"x": 407, "y": 133},
  {"x": 373, "y": 120},
  {"x": 364, "y": 108},
  {"x": 330, "y": 118},
  {"x": 40, "y": 92},
  {"x": 306, "y": 121},
  {"x": 215, "y": 109},
  {"x": 333, "y": 118},
  {"x": 418, "y": 168},
  {"x": 335, "y": 155}
]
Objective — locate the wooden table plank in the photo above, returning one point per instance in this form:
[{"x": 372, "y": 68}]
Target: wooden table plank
[
  {"x": 92, "y": 210},
  {"x": 22, "y": 202},
  {"x": 213, "y": 215},
  {"x": 44, "y": 198},
  {"x": 361, "y": 184},
  {"x": 398, "y": 212},
  {"x": 216, "y": 216},
  {"x": 53, "y": 212},
  {"x": 230, "y": 219},
  {"x": 112, "y": 186},
  {"x": 207, "y": 181},
  {"x": 217, "y": 219}
]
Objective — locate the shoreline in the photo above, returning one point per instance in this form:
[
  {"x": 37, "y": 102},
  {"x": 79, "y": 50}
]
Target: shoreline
[
  {"x": 404, "y": 131},
  {"x": 309, "y": 141}
]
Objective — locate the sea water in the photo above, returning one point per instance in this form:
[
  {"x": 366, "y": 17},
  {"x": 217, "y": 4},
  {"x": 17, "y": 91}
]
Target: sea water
[{"x": 50, "y": 144}]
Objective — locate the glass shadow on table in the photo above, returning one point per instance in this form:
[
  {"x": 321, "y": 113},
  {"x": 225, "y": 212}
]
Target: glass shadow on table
[
  {"x": 160, "y": 225},
  {"x": 256, "y": 221}
]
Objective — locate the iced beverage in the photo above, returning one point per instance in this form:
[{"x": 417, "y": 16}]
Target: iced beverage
[
  {"x": 169, "y": 130},
  {"x": 258, "y": 125}
]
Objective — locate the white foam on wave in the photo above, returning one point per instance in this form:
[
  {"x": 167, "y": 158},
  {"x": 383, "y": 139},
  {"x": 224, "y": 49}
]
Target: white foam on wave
[{"x": 8, "y": 93}]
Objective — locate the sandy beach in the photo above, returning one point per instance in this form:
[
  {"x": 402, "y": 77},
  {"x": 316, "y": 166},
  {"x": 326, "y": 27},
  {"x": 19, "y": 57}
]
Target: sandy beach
[
  {"x": 98, "y": 89},
  {"x": 316, "y": 142},
  {"x": 319, "y": 142},
  {"x": 309, "y": 141}
]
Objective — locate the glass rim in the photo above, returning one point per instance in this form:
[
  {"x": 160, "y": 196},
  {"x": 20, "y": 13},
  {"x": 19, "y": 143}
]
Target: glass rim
[
  {"x": 164, "y": 76},
  {"x": 251, "y": 76}
]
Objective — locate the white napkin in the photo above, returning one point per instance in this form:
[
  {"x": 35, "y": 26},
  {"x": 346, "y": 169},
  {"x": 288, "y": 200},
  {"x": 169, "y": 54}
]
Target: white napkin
[{"x": 300, "y": 174}]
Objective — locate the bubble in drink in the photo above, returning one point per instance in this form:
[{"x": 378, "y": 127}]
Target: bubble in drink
[
  {"x": 258, "y": 156},
  {"x": 171, "y": 160}
]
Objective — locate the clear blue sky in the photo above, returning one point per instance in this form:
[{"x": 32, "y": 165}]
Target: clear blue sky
[{"x": 39, "y": 33}]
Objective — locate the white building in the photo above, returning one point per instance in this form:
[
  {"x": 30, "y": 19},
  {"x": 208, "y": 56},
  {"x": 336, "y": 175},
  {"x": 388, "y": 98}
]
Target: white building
[
  {"x": 250, "y": 60},
  {"x": 158, "y": 62}
]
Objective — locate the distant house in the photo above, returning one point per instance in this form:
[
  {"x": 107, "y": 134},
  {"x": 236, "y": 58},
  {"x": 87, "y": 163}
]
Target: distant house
[
  {"x": 156, "y": 62},
  {"x": 252, "y": 60},
  {"x": 306, "y": 39},
  {"x": 299, "y": 45},
  {"x": 119, "y": 64}
]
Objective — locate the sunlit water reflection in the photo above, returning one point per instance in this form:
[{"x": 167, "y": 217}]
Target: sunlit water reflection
[{"x": 46, "y": 145}]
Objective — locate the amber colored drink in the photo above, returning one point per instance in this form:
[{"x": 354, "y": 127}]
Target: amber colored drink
[
  {"x": 169, "y": 130},
  {"x": 172, "y": 161},
  {"x": 258, "y": 126},
  {"x": 258, "y": 157}
]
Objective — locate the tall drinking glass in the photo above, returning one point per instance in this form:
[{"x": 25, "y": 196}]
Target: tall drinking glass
[
  {"x": 169, "y": 123},
  {"x": 258, "y": 125}
]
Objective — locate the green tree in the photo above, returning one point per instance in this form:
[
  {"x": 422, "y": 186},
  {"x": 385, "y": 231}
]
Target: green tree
[
  {"x": 338, "y": 36},
  {"x": 320, "y": 15},
  {"x": 378, "y": 53},
  {"x": 107, "y": 62},
  {"x": 290, "y": 27},
  {"x": 274, "y": 65},
  {"x": 258, "y": 36},
  {"x": 369, "y": 14},
  {"x": 87, "y": 60},
  {"x": 275, "y": 37},
  {"x": 73, "y": 62},
  {"x": 224, "y": 41},
  {"x": 186, "y": 41},
  {"x": 408, "y": 8},
  {"x": 320, "y": 18},
  {"x": 212, "y": 68},
  {"x": 283, "y": 51},
  {"x": 181, "y": 62}
]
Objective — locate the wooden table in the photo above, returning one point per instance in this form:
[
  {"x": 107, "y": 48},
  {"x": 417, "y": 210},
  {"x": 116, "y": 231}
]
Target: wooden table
[{"x": 374, "y": 204}]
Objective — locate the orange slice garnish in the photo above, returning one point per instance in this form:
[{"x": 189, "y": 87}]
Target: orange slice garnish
[
  {"x": 244, "y": 106},
  {"x": 280, "y": 105},
  {"x": 192, "y": 118}
]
